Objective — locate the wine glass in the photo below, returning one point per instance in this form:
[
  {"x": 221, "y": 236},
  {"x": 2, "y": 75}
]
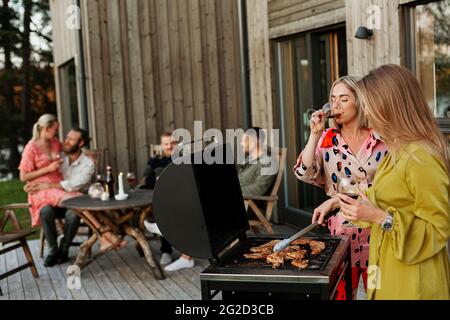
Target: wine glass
[
  {"x": 350, "y": 187},
  {"x": 131, "y": 178},
  {"x": 327, "y": 110},
  {"x": 56, "y": 156}
]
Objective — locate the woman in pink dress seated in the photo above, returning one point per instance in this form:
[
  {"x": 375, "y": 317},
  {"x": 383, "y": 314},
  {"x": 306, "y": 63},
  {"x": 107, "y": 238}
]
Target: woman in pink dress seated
[
  {"x": 350, "y": 149},
  {"x": 41, "y": 161}
]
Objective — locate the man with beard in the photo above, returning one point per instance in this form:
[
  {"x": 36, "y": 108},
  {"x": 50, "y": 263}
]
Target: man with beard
[
  {"x": 154, "y": 168},
  {"x": 77, "y": 170},
  {"x": 251, "y": 177}
]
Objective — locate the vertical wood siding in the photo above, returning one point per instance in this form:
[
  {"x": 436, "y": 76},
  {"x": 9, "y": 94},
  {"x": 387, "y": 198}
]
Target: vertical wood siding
[{"x": 158, "y": 65}]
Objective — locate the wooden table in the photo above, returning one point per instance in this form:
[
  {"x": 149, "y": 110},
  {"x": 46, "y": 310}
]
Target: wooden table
[{"x": 115, "y": 215}]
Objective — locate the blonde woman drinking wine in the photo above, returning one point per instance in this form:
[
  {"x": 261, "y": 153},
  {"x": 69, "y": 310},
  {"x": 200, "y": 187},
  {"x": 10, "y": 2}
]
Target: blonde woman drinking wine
[
  {"x": 40, "y": 169},
  {"x": 41, "y": 162},
  {"x": 408, "y": 206},
  {"x": 350, "y": 150}
]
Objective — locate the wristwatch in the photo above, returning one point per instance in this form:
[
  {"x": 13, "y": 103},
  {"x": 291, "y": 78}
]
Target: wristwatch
[{"x": 388, "y": 223}]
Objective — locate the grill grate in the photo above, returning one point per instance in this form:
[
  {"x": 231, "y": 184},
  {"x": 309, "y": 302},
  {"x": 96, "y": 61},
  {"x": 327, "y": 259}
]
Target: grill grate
[{"x": 236, "y": 261}]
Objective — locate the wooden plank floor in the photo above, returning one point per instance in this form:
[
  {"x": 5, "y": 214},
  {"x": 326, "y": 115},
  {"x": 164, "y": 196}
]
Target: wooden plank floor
[{"x": 118, "y": 275}]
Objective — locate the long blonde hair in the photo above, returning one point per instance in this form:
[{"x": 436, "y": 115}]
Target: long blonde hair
[
  {"x": 351, "y": 82},
  {"x": 396, "y": 108},
  {"x": 45, "y": 121}
]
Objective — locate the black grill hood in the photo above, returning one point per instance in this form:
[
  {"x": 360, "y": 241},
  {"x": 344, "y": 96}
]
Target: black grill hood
[{"x": 199, "y": 207}]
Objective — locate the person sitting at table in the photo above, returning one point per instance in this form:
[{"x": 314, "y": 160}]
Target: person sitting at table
[
  {"x": 40, "y": 163},
  {"x": 77, "y": 170},
  {"x": 155, "y": 167},
  {"x": 251, "y": 179},
  {"x": 157, "y": 164}
]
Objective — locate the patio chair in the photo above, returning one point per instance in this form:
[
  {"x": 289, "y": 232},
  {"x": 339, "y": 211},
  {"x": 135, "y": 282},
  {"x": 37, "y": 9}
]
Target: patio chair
[
  {"x": 266, "y": 203},
  {"x": 15, "y": 239}
]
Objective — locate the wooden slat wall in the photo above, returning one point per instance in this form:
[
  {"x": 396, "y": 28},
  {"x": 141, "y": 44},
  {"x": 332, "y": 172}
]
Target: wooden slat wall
[
  {"x": 288, "y": 17},
  {"x": 260, "y": 62},
  {"x": 158, "y": 65},
  {"x": 270, "y": 19},
  {"x": 67, "y": 40},
  {"x": 384, "y": 47},
  {"x": 65, "y": 37}
]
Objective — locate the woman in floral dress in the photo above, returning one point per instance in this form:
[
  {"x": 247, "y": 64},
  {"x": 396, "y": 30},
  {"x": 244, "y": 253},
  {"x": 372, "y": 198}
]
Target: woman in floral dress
[
  {"x": 350, "y": 149},
  {"x": 41, "y": 161}
]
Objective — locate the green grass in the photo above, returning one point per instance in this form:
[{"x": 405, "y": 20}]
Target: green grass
[{"x": 12, "y": 192}]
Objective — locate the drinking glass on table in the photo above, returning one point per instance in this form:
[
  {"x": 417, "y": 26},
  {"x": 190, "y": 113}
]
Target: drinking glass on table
[
  {"x": 131, "y": 178},
  {"x": 327, "y": 110},
  {"x": 350, "y": 187}
]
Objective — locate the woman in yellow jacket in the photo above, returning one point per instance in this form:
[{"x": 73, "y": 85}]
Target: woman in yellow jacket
[{"x": 408, "y": 205}]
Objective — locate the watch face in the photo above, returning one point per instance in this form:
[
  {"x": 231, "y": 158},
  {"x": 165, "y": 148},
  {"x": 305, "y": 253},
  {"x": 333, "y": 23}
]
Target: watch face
[{"x": 387, "y": 225}]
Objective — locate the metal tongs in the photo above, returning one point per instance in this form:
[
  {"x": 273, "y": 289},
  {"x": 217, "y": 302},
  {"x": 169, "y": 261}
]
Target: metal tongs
[{"x": 280, "y": 246}]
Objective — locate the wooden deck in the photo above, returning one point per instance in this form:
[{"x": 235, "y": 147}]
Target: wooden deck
[{"x": 118, "y": 275}]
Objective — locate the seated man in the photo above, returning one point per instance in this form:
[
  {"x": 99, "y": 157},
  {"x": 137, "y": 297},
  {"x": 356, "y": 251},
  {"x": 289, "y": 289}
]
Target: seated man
[
  {"x": 154, "y": 169},
  {"x": 251, "y": 179},
  {"x": 77, "y": 170},
  {"x": 156, "y": 165}
]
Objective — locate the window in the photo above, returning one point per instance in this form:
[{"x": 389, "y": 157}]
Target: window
[
  {"x": 428, "y": 54},
  {"x": 69, "y": 97}
]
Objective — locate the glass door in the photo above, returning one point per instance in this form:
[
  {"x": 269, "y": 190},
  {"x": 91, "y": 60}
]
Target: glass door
[{"x": 306, "y": 66}]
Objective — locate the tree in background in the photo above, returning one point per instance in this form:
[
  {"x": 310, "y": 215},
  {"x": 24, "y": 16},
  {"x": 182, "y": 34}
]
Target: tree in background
[
  {"x": 9, "y": 37},
  {"x": 26, "y": 73}
]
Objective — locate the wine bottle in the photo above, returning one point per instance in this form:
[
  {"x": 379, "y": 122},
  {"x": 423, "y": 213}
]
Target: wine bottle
[{"x": 110, "y": 182}]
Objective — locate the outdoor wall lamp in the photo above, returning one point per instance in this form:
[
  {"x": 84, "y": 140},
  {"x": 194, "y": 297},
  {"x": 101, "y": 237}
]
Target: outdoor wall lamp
[{"x": 363, "y": 33}]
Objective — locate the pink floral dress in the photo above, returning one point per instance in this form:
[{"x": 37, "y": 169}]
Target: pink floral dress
[
  {"x": 334, "y": 159},
  {"x": 33, "y": 158}
]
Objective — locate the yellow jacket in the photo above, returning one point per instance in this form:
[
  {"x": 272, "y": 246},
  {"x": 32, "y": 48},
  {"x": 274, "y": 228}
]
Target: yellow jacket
[{"x": 411, "y": 261}]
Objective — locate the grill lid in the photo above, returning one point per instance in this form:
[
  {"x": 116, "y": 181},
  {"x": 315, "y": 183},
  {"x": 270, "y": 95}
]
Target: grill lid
[{"x": 199, "y": 208}]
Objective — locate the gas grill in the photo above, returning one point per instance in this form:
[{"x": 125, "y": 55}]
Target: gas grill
[
  {"x": 200, "y": 210},
  {"x": 237, "y": 277}
]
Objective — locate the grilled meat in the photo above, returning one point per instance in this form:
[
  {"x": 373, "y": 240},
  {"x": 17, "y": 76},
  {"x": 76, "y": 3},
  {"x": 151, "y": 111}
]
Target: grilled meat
[
  {"x": 275, "y": 259},
  {"x": 270, "y": 244},
  {"x": 256, "y": 256},
  {"x": 291, "y": 249},
  {"x": 301, "y": 264},
  {"x": 295, "y": 255},
  {"x": 301, "y": 241},
  {"x": 316, "y": 247},
  {"x": 261, "y": 250},
  {"x": 265, "y": 248}
]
